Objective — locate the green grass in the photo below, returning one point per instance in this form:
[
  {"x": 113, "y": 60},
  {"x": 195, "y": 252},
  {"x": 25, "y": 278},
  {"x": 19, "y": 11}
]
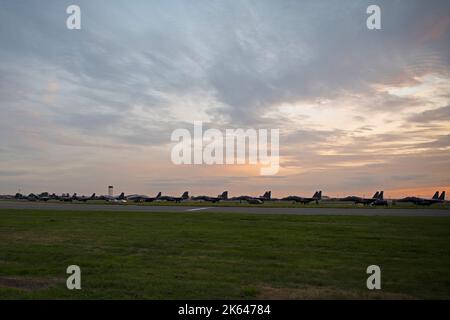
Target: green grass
[{"x": 222, "y": 256}]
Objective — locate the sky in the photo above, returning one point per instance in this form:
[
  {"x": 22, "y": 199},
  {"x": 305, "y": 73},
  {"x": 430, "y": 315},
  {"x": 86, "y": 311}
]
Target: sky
[{"x": 358, "y": 110}]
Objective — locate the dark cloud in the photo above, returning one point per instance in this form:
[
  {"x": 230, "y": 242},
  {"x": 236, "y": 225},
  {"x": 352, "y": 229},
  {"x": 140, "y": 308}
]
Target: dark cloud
[
  {"x": 439, "y": 142},
  {"x": 13, "y": 173},
  {"x": 439, "y": 114}
]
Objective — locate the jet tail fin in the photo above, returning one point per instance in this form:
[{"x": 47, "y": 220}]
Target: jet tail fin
[
  {"x": 375, "y": 196},
  {"x": 224, "y": 195},
  {"x": 267, "y": 194},
  {"x": 158, "y": 195},
  {"x": 442, "y": 197},
  {"x": 185, "y": 195},
  {"x": 381, "y": 195},
  {"x": 122, "y": 196},
  {"x": 315, "y": 195},
  {"x": 436, "y": 195},
  {"x": 319, "y": 195}
]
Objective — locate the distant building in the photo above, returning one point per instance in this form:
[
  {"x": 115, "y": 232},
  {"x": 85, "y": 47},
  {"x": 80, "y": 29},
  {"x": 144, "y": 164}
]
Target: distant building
[{"x": 110, "y": 191}]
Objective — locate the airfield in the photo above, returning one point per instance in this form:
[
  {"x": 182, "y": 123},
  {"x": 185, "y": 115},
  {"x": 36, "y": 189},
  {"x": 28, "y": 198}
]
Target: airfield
[
  {"x": 222, "y": 251},
  {"x": 313, "y": 210}
]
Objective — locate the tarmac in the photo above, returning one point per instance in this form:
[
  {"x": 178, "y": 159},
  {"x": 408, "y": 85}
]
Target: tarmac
[{"x": 357, "y": 211}]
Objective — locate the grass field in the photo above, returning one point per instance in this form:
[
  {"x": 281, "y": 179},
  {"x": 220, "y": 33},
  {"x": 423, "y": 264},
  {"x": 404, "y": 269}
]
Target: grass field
[{"x": 221, "y": 256}]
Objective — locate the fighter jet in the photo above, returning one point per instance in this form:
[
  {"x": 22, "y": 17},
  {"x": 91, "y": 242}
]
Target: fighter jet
[
  {"x": 253, "y": 200},
  {"x": 184, "y": 196},
  {"x": 19, "y": 196},
  {"x": 380, "y": 200},
  {"x": 267, "y": 196},
  {"x": 360, "y": 200},
  {"x": 316, "y": 197},
  {"x": 44, "y": 196},
  {"x": 119, "y": 198},
  {"x": 142, "y": 198},
  {"x": 54, "y": 196},
  {"x": 223, "y": 196},
  {"x": 32, "y": 197},
  {"x": 66, "y": 197},
  {"x": 425, "y": 202},
  {"x": 84, "y": 198},
  {"x": 242, "y": 198}
]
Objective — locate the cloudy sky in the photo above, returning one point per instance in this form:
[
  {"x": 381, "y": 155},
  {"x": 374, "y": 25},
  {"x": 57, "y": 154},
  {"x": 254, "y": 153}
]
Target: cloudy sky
[{"x": 358, "y": 110}]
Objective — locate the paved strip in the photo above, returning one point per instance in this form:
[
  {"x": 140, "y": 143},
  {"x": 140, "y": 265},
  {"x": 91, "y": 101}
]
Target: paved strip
[
  {"x": 197, "y": 209},
  {"x": 251, "y": 210}
]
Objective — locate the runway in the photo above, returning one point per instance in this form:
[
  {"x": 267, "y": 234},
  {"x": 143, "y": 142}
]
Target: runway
[{"x": 425, "y": 212}]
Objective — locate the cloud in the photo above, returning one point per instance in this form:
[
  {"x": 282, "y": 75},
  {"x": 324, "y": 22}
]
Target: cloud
[
  {"x": 435, "y": 115},
  {"x": 12, "y": 173},
  {"x": 110, "y": 94}
]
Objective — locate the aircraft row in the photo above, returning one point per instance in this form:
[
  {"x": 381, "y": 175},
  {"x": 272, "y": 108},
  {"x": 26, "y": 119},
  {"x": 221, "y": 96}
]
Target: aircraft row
[{"x": 376, "y": 200}]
